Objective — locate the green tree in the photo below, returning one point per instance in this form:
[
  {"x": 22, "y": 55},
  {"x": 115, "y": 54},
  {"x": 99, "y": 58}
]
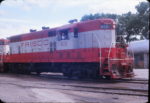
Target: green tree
[
  {"x": 143, "y": 15},
  {"x": 1, "y": 1},
  {"x": 130, "y": 25},
  {"x": 98, "y": 16},
  {"x": 135, "y": 25}
]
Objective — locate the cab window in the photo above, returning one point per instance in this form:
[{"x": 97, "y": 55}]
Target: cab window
[
  {"x": 1, "y": 43},
  {"x": 63, "y": 35},
  {"x": 105, "y": 26}
]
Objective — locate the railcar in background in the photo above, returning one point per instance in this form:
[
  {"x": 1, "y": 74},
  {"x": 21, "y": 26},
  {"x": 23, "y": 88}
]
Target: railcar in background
[
  {"x": 86, "y": 49},
  {"x": 3, "y": 51}
]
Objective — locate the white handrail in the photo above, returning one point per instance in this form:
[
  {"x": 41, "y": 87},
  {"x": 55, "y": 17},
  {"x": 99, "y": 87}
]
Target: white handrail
[
  {"x": 99, "y": 50},
  {"x": 1, "y": 59},
  {"x": 132, "y": 54},
  {"x": 2, "y": 54},
  {"x": 108, "y": 56}
]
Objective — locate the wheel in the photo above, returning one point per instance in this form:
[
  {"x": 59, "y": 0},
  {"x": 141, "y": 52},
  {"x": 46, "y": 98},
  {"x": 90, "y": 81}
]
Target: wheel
[
  {"x": 38, "y": 72},
  {"x": 108, "y": 77},
  {"x": 67, "y": 71},
  {"x": 77, "y": 74}
]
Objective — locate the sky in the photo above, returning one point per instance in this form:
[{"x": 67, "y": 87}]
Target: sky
[{"x": 19, "y": 16}]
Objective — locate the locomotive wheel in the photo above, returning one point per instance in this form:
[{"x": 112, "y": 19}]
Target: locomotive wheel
[
  {"x": 91, "y": 71},
  {"x": 64, "y": 70},
  {"x": 76, "y": 72},
  {"x": 95, "y": 72},
  {"x": 6, "y": 68},
  {"x": 38, "y": 72},
  {"x": 27, "y": 69},
  {"x": 13, "y": 68},
  {"x": 67, "y": 71},
  {"x": 108, "y": 77},
  {"x": 80, "y": 71}
]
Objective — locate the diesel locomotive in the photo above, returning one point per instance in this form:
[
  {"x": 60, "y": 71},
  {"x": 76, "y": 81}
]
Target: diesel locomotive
[{"x": 88, "y": 49}]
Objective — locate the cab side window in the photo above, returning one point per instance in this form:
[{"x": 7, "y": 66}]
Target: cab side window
[
  {"x": 63, "y": 35},
  {"x": 106, "y": 26},
  {"x": 1, "y": 43}
]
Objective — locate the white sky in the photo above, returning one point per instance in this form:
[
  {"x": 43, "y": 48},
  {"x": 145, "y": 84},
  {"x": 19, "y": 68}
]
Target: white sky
[{"x": 18, "y": 16}]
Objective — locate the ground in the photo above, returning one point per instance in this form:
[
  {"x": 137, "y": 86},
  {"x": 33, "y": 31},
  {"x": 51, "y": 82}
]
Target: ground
[
  {"x": 50, "y": 88},
  {"x": 141, "y": 73}
]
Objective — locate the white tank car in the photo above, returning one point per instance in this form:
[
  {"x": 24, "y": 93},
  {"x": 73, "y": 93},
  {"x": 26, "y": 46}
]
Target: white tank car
[{"x": 141, "y": 46}]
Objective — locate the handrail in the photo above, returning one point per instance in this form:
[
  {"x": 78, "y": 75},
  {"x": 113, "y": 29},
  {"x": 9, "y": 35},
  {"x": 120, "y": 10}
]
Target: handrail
[
  {"x": 99, "y": 50},
  {"x": 117, "y": 58},
  {"x": 1, "y": 59},
  {"x": 132, "y": 54},
  {"x": 109, "y": 56}
]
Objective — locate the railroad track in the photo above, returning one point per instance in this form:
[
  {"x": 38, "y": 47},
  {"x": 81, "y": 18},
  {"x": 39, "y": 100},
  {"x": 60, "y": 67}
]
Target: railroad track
[
  {"x": 82, "y": 86},
  {"x": 134, "y": 81},
  {"x": 60, "y": 77},
  {"x": 119, "y": 91},
  {"x": 113, "y": 91},
  {"x": 106, "y": 90},
  {"x": 137, "y": 81},
  {"x": 91, "y": 89}
]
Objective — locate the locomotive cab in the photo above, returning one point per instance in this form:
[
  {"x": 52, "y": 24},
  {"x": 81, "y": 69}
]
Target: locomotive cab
[{"x": 67, "y": 38}]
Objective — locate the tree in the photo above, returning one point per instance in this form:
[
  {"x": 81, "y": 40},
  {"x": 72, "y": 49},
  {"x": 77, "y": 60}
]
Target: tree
[
  {"x": 142, "y": 8},
  {"x": 130, "y": 25},
  {"x": 135, "y": 25},
  {"x": 1, "y": 1},
  {"x": 98, "y": 16},
  {"x": 143, "y": 15}
]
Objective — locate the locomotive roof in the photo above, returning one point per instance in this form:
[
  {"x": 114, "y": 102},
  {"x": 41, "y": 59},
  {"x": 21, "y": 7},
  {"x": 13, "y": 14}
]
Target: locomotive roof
[
  {"x": 43, "y": 33},
  {"x": 3, "y": 41}
]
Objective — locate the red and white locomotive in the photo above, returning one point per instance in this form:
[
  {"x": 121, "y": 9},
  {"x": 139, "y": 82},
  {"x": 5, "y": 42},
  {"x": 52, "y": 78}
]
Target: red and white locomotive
[{"x": 85, "y": 49}]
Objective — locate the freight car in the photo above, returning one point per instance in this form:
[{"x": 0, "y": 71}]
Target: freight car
[{"x": 88, "y": 49}]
